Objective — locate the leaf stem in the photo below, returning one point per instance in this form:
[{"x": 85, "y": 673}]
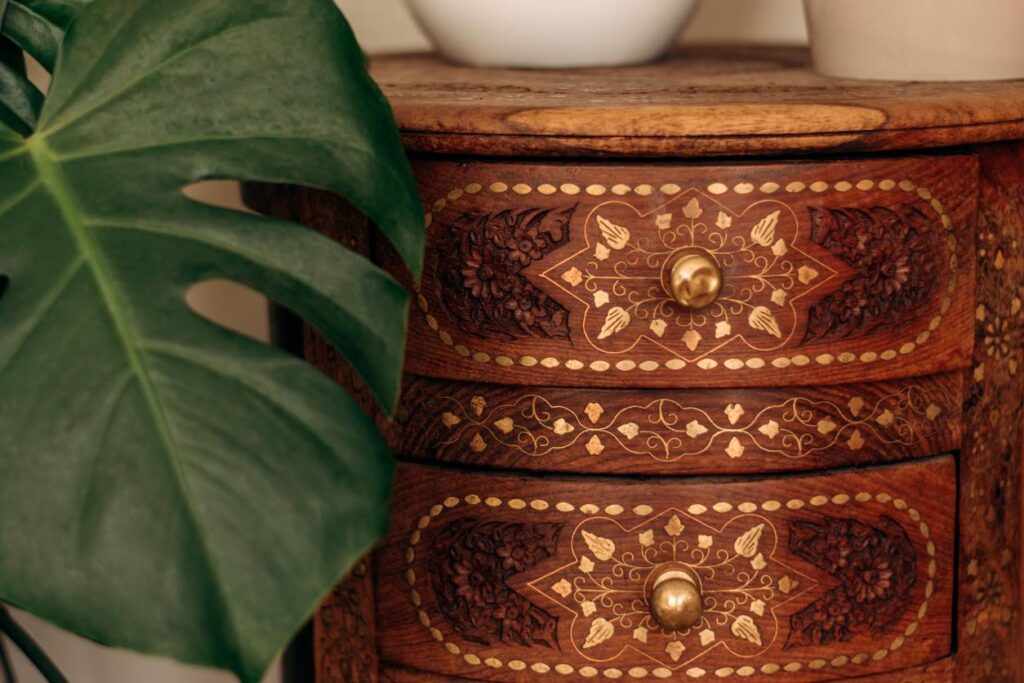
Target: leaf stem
[{"x": 31, "y": 649}]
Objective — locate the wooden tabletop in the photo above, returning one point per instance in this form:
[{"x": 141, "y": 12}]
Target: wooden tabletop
[{"x": 698, "y": 102}]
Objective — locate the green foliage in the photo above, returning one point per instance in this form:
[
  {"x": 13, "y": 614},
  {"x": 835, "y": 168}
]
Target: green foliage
[
  {"x": 36, "y": 26},
  {"x": 20, "y": 101},
  {"x": 169, "y": 486}
]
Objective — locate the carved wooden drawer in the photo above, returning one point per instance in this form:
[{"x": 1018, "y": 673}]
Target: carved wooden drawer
[
  {"x": 500, "y": 578},
  {"x": 789, "y": 274},
  {"x": 668, "y": 431}
]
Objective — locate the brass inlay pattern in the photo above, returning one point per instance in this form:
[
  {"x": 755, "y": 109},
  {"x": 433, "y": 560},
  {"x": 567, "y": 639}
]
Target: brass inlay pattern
[
  {"x": 605, "y": 586},
  {"x": 623, "y": 280},
  {"x": 667, "y": 430},
  {"x": 991, "y": 457},
  {"x": 755, "y": 362},
  {"x": 697, "y": 511}
]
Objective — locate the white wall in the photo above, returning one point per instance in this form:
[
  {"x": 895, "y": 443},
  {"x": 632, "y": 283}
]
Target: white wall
[{"x": 382, "y": 26}]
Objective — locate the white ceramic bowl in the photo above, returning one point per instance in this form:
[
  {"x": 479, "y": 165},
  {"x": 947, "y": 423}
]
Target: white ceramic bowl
[
  {"x": 917, "y": 40},
  {"x": 552, "y": 33}
]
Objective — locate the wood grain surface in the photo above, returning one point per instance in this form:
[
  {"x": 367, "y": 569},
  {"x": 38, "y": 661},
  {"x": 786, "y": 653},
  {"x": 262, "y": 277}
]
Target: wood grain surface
[
  {"x": 391, "y": 673},
  {"x": 514, "y": 578},
  {"x": 698, "y": 102},
  {"x": 990, "y": 627},
  {"x": 724, "y": 431},
  {"x": 942, "y": 671},
  {"x": 981, "y": 189},
  {"x": 551, "y": 274}
]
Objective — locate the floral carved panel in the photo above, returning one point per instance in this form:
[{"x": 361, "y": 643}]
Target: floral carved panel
[
  {"x": 896, "y": 255},
  {"x": 343, "y": 632},
  {"x": 480, "y": 272},
  {"x": 469, "y": 571},
  {"x": 875, "y": 569}
]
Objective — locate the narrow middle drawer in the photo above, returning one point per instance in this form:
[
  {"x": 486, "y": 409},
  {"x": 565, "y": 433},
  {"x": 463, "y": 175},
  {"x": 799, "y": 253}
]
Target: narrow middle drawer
[{"x": 666, "y": 431}]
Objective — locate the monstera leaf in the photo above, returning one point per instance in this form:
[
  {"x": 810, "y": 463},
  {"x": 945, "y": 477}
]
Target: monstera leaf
[
  {"x": 20, "y": 101},
  {"x": 36, "y": 26},
  {"x": 166, "y": 485}
]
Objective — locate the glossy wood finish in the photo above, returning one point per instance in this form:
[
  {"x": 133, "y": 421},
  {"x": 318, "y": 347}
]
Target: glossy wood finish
[
  {"x": 760, "y": 104},
  {"x": 989, "y": 585},
  {"x": 833, "y": 272},
  {"x": 510, "y": 578},
  {"x": 643, "y": 431},
  {"x": 700, "y": 102}
]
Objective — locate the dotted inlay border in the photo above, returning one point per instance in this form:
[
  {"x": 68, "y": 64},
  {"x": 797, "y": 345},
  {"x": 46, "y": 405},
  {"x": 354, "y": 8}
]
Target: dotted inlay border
[
  {"x": 716, "y": 189},
  {"x": 695, "y": 672}
]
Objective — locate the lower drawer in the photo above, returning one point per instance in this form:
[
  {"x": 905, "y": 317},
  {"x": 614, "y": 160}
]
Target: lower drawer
[
  {"x": 941, "y": 671},
  {"x": 511, "y": 578}
]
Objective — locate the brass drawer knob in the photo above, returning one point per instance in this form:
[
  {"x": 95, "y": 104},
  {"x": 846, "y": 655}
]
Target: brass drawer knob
[
  {"x": 676, "y": 602},
  {"x": 696, "y": 278}
]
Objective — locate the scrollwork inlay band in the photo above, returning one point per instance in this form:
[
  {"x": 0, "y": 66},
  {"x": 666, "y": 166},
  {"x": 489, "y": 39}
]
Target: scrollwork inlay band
[{"x": 667, "y": 430}]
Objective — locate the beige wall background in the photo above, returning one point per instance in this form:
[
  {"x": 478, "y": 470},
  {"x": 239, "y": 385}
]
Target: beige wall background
[{"x": 382, "y": 26}]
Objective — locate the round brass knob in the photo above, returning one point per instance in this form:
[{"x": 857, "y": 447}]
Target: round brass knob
[
  {"x": 696, "y": 278},
  {"x": 675, "y": 601}
]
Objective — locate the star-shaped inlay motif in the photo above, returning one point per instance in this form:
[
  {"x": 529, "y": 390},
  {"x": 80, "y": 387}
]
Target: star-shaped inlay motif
[
  {"x": 605, "y": 586},
  {"x": 622, "y": 276}
]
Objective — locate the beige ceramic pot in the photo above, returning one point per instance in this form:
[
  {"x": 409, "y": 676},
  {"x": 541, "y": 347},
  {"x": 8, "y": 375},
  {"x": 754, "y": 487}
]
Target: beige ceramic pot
[
  {"x": 917, "y": 40},
  {"x": 552, "y": 33}
]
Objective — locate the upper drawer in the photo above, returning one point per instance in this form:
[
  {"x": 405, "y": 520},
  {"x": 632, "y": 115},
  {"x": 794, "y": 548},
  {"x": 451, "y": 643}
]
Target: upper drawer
[{"x": 564, "y": 274}]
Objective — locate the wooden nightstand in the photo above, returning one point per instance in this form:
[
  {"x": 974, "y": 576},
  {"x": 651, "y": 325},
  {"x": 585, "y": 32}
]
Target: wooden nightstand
[{"x": 714, "y": 374}]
